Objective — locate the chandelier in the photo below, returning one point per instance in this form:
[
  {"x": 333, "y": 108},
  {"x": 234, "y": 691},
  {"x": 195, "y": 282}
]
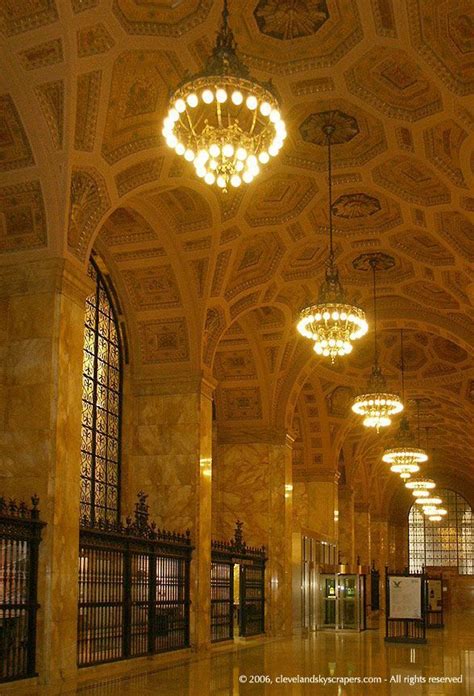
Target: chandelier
[
  {"x": 332, "y": 322},
  {"x": 437, "y": 516},
  {"x": 223, "y": 120},
  {"x": 433, "y": 510},
  {"x": 404, "y": 458},
  {"x": 421, "y": 487},
  {"x": 377, "y": 405},
  {"x": 428, "y": 501}
]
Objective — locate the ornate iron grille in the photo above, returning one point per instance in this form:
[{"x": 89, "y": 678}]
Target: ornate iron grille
[
  {"x": 446, "y": 543},
  {"x": 222, "y": 601},
  {"x": 252, "y": 603},
  {"x": 224, "y": 556},
  {"x": 101, "y": 406},
  {"x": 133, "y": 589},
  {"x": 20, "y": 536}
]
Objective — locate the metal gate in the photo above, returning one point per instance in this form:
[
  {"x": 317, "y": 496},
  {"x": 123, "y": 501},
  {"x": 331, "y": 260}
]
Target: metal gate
[
  {"x": 20, "y": 536},
  {"x": 222, "y": 601},
  {"x": 134, "y": 586},
  {"x": 251, "y": 600}
]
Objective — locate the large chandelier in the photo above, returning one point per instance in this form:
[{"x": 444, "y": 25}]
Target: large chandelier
[
  {"x": 404, "y": 458},
  {"x": 376, "y": 405},
  {"x": 332, "y": 322},
  {"x": 223, "y": 120}
]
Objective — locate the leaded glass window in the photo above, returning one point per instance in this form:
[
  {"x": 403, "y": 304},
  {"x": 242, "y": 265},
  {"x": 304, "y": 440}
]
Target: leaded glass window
[
  {"x": 101, "y": 405},
  {"x": 446, "y": 543}
]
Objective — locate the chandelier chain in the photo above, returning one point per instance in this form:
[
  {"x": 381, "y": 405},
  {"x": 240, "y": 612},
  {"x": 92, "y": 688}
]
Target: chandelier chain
[
  {"x": 329, "y": 131},
  {"x": 373, "y": 264}
]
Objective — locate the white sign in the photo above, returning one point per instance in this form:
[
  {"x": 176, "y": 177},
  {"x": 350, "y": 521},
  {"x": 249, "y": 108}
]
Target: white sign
[{"x": 405, "y": 597}]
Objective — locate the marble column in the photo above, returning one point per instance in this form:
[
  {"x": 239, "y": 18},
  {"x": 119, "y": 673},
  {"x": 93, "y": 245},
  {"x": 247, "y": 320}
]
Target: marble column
[
  {"x": 362, "y": 533},
  {"x": 379, "y": 536},
  {"x": 170, "y": 458},
  {"x": 253, "y": 484},
  {"x": 398, "y": 546},
  {"x": 43, "y": 306},
  {"x": 315, "y": 504},
  {"x": 346, "y": 524}
]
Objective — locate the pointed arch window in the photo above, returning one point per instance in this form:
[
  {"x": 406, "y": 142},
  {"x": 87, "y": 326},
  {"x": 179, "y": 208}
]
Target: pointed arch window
[
  {"x": 446, "y": 543},
  {"x": 101, "y": 406}
]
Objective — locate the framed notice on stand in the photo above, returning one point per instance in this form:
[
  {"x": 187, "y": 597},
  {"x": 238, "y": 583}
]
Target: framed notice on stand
[{"x": 405, "y": 607}]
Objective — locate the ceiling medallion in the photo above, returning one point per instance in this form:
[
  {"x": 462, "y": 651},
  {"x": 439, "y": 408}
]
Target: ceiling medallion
[
  {"x": 376, "y": 405},
  {"x": 332, "y": 322},
  {"x": 223, "y": 120}
]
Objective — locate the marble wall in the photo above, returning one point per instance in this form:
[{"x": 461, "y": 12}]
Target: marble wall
[
  {"x": 253, "y": 484},
  {"x": 315, "y": 507},
  {"x": 169, "y": 456}
]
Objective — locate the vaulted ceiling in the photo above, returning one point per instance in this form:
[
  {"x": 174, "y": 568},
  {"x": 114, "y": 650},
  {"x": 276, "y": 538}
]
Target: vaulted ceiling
[{"x": 214, "y": 281}]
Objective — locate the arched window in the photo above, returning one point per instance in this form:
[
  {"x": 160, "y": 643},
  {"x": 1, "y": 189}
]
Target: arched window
[
  {"x": 101, "y": 407},
  {"x": 446, "y": 543}
]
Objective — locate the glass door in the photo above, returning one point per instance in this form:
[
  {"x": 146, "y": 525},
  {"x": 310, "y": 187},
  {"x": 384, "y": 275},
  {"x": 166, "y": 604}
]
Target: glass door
[
  {"x": 328, "y": 599},
  {"x": 348, "y": 597}
]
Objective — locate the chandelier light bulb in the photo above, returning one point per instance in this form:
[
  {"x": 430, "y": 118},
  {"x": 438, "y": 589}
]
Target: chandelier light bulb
[{"x": 435, "y": 518}]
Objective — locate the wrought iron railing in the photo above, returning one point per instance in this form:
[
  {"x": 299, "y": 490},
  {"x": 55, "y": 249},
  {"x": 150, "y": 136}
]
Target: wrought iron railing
[
  {"x": 250, "y": 599},
  {"x": 20, "y": 536},
  {"x": 133, "y": 589}
]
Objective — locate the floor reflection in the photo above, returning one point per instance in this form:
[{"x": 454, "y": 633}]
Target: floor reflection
[{"x": 404, "y": 669}]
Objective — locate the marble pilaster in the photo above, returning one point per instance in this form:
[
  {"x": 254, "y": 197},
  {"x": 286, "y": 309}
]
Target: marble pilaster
[
  {"x": 346, "y": 524},
  {"x": 253, "y": 484},
  {"x": 170, "y": 458},
  {"x": 362, "y": 533},
  {"x": 315, "y": 505},
  {"x": 43, "y": 307}
]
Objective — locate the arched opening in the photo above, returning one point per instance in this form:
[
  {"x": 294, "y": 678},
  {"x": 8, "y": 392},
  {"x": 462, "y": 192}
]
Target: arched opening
[{"x": 448, "y": 543}]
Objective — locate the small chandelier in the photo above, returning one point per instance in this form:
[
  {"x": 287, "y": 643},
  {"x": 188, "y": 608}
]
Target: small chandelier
[
  {"x": 437, "y": 517},
  {"x": 223, "y": 120},
  {"x": 428, "y": 501},
  {"x": 376, "y": 405},
  {"x": 404, "y": 458},
  {"x": 434, "y": 510},
  {"x": 421, "y": 487},
  {"x": 332, "y": 323}
]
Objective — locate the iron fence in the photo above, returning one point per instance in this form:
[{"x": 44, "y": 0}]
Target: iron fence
[
  {"x": 134, "y": 588},
  {"x": 20, "y": 536},
  {"x": 245, "y": 605}
]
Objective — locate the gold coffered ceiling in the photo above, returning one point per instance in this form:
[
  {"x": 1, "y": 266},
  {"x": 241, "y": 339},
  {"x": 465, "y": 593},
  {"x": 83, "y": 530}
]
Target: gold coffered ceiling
[{"x": 213, "y": 281}]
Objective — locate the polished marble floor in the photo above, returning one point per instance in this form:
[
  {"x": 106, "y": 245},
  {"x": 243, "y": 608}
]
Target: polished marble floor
[{"x": 403, "y": 670}]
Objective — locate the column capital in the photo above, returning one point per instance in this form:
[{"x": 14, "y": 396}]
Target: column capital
[
  {"x": 263, "y": 435},
  {"x": 55, "y": 275},
  {"x": 181, "y": 383}
]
